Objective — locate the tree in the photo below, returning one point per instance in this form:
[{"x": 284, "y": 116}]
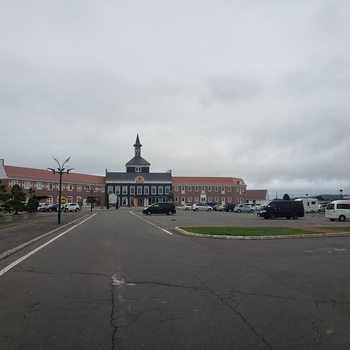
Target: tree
[
  {"x": 16, "y": 199},
  {"x": 171, "y": 197},
  {"x": 33, "y": 202},
  {"x": 286, "y": 197},
  {"x": 4, "y": 196}
]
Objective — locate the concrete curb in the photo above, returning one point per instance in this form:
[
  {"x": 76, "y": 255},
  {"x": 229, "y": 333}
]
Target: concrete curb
[
  {"x": 24, "y": 245},
  {"x": 311, "y": 235}
]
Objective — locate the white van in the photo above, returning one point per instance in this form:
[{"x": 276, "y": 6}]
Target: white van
[{"x": 338, "y": 210}]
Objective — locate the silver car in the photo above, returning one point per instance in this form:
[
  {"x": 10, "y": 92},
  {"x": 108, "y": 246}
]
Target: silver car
[
  {"x": 243, "y": 208},
  {"x": 187, "y": 206},
  {"x": 202, "y": 207}
]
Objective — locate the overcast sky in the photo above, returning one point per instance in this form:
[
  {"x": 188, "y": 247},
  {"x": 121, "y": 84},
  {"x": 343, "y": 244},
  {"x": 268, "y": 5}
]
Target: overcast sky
[{"x": 252, "y": 89}]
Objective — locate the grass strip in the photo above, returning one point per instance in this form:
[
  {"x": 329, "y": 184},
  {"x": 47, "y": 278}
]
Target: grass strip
[
  {"x": 248, "y": 231},
  {"x": 337, "y": 228}
]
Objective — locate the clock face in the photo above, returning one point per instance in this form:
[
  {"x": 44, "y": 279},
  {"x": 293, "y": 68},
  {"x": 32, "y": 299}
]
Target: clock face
[{"x": 139, "y": 179}]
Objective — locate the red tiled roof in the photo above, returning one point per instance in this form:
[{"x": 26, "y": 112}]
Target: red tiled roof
[
  {"x": 255, "y": 194},
  {"x": 211, "y": 181},
  {"x": 45, "y": 175}
]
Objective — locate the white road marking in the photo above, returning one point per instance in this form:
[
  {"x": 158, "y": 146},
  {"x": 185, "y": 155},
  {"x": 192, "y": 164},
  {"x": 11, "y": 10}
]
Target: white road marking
[
  {"x": 9, "y": 267},
  {"x": 141, "y": 218}
]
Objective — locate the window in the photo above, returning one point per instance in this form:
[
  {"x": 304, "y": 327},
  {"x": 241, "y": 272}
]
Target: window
[
  {"x": 79, "y": 188},
  {"x": 125, "y": 190},
  {"x": 139, "y": 189},
  {"x": 196, "y": 189},
  {"x": 138, "y": 169},
  {"x": 160, "y": 190},
  {"x": 189, "y": 188},
  {"x": 229, "y": 199},
  {"x": 70, "y": 187},
  {"x": 26, "y": 185},
  {"x": 110, "y": 189},
  {"x": 216, "y": 199},
  {"x": 189, "y": 199},
  {"x": 229, "y": 189},
  {"x": 146, "y": 190},
  {"x": 203, "y": 189},
  {"x": 209, "y": 188},
  {"x": 50, "y": 186},
  {"x": 209, "y": 199},
  {"x": 132, "y": 190},
  {"x": 153, "y": 190},
  {"x": 117, "y": 189},
  {"x": 196, "y": 199},
  {"x": 176, "y": 189},
  {"x": 167, "y": 189},
  {"x": 216, "y": 189},
  {"x": 70, "y": 199},
  {"x": 222, "y": 189},
  {"x": 39, "y": 185}
]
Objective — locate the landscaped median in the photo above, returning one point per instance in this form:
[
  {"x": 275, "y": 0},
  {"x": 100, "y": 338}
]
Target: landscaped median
[{"x": 264, "y": 232}]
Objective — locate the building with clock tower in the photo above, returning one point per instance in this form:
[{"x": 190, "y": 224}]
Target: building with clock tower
[{"x": 137, "y": 186}]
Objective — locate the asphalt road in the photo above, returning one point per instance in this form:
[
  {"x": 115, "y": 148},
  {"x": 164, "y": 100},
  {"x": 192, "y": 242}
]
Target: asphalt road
[{"x": 121, "y": 280}]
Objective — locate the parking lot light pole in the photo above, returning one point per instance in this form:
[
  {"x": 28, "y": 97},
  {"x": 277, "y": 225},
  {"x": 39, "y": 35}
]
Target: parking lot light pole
[
  {"x": 60, "y": 170},
  {"x": 91, "y": 189}
]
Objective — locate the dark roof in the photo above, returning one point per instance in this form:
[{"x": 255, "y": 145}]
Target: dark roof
[
  {"x": 137, "y": 161},
  {"x": 131, "y": 177},
  {"x": 137, "y": 143}
]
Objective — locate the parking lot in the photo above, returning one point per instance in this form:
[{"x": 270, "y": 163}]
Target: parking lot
[{"x": 213, "y": 218}]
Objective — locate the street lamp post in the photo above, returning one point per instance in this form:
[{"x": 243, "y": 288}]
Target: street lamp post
[
  {"x": 60, "y": 169},
  {"x": 91, "y": 189},
  {"x": 341, "y": 194}
]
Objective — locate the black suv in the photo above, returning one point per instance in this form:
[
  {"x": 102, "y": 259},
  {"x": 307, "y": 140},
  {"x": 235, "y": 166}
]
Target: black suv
[{"x": 160, "y": 208}]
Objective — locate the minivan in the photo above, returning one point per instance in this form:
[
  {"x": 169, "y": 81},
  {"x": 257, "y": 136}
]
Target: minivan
[
  {"x": 282, "y": 208},
  {"x": 338, "y": 210},
  {"x": 160, "y": 208}
]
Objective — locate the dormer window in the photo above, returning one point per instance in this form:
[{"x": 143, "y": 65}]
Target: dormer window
[{"x": 138, "y": 169}]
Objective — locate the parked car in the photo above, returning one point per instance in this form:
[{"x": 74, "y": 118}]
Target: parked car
[
  {"x": 54, "y": 207},
  {"x": 71, "y": 207},
  {"x": 219, "y": 207},
  {"x": 201, "y": 207},
  {"x": 187, "y": 206},
  {"x": 228, "y": 207},
  {"x": 42, "y": 206},
  {"x": 322, "y": 208},
  {"x": 243, "y": 208},
  {"x": 211, "y": 204},
  {"x": 282, "y": 208},
  {"x": 160, "y": 208}
]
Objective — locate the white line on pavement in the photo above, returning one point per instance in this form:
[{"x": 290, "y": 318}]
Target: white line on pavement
[
  {"x": 169, "y": 233},
  {"x": 9, "y": 267}
]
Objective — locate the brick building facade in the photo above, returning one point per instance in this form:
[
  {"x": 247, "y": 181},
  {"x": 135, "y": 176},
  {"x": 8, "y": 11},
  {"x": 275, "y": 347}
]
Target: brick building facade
[
  {"x": 76, "y": 188},
  {"x": 220, "y": 190}
]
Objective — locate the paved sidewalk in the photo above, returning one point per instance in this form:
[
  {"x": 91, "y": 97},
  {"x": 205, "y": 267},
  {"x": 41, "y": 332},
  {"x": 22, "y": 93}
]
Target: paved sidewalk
[{"x": 15, "y": 235}]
